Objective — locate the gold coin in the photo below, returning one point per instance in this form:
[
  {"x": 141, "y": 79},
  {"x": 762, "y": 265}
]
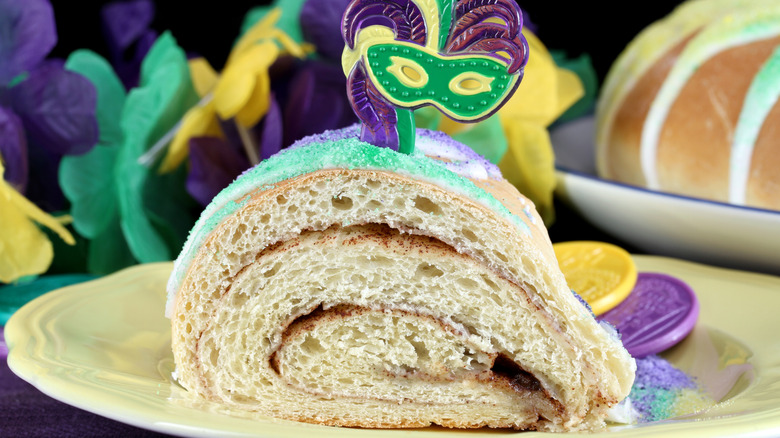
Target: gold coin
[{"x": 603, "y": 274}]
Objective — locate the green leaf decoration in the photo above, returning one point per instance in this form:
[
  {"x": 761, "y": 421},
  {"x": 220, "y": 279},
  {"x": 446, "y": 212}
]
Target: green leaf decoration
[
  {"x": 582, "y": 67},
  {"x": 14, "y": 296},
  {"x": 427, "y": 117},
  {"x": 289, "y": 22},
  {"x": 108, "y": 251},
  {"x": 486, "y": 138},
  {"x": 110, "y": 92},
  {"x": 89, "y": 180},
  {"x": 173, "y": 220},
  {"x": 164, "y": 94}
]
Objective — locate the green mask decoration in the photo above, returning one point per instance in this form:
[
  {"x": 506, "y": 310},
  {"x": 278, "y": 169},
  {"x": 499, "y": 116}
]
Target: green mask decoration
[
  {"x": 463, "y": 57},
  {"x": 464, "y": 87}
]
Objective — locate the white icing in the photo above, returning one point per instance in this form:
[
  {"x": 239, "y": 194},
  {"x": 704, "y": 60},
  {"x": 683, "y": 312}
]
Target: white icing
[
  {"x": 623, "y": 413},
  {"x": 431, "y": 147},
  {"x": 458, "y": 158}
]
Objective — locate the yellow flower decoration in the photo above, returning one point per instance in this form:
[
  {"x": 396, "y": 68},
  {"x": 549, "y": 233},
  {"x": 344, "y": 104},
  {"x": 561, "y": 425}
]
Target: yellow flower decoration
[
  {"x": 546, "y": 90},
  {"x": 242, "y": 92},
  {"x": 24, "y": 248},
  {"x": 244, "y": 89},
  {"x": 545, "y": 93},
  {"x": 199, "y": 120}
]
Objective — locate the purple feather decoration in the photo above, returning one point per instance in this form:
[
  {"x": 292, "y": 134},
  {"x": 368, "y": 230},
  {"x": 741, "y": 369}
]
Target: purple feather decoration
[
  {"x": 43, "y": 188},
  {"x": 124, "y": 22},
  {"x": 403, "y": 16},
  {"x": 408, "y": 23},
  {"x": 491, "y": 27},
  {"x": 376, "y": 113},
  {"x": 317, "y": 101},
  {"x": 486, "y": 38},
  {"x": 471, "y": 33},
  {"x": 320, "y": 20},
  {"x": 127, "y": 28},
  {"x": 273, "y": 127},
  {"x": 469, "y": 13}
]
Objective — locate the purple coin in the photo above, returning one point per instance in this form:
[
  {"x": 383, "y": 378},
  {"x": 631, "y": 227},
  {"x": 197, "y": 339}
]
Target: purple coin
[{"x": 658, "y": 313}]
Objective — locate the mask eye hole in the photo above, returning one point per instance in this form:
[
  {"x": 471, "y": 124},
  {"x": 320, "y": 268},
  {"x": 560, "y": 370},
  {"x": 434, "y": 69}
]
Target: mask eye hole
[
  {"x": 411, "y": 74},
  {"x": 408, "y": 72},
  {"x": 470, "y": 83}
]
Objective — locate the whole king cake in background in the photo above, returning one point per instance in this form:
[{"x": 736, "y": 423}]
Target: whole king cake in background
[
  {"x": 387, "y": 276},
  {"x": 691, "y": 106}
]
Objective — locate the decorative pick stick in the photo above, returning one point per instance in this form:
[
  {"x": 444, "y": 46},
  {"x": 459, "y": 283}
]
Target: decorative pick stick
[
  {"x": 249, "y": 143},
  {"x": 463, "y": 57}
]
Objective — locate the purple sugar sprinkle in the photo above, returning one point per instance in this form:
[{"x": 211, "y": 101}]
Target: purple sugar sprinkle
[
  {"x": 441, "y": 137},
  {"x": 529, "y": 214},
  {"x": 352, "y": 131},
  {"x": 462, "y": 157},
  {"x": 468, "y": 156},
  {"x": 584, "y": 303},
  {"x": 3, "y": 345},
  {"x": 656, "y": 387},
  {"x": 658, "y": 372}
]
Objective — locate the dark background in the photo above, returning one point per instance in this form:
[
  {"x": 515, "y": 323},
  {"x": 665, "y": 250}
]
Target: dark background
[{"x": 209, "y": 28}]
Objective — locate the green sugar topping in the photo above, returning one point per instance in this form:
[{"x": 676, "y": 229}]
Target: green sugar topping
[{"x": 349, "y": 153}]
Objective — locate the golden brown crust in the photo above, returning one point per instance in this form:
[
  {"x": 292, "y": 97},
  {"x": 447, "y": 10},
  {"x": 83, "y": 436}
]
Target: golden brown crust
[
  {"x": 695, "y": 141},
  {"x": 764, "y": 183},
  {"x": 520, "y": 206},
  {"x": 621, "y": 150},
  {"x": 694, "y": 149}
]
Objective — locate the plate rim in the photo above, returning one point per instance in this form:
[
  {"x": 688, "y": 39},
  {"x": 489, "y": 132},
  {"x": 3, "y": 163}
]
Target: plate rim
[
  {"x": 588, "y": 123},
  {"x": 774, "y": 214},
  {"x": 16, "y": 362}
]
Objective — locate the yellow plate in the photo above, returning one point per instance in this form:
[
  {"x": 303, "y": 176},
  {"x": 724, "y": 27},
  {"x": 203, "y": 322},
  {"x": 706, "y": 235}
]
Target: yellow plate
[{"x": 104, "y": 346}]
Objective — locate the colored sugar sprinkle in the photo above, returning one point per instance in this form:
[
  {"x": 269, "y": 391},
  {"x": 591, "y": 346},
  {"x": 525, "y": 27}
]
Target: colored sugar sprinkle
[
  {"x": 456, "y": 156},
  {"x": 662, "y": 391},
  {"x": 3, "y": 345},
  {"x": 584, "y": 303},
  {"x": 529, "y": 214},
  {"x": 328, "y": 136}
]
